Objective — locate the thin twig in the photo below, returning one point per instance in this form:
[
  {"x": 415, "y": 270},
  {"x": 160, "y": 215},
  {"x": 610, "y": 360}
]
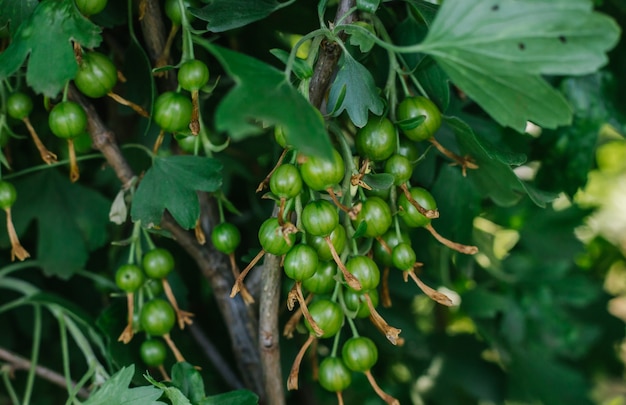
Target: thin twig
[
  {"x": 18, "y": 362},
  {"x": 214, "y": 356},
  {"x": 329, "y": 56}
]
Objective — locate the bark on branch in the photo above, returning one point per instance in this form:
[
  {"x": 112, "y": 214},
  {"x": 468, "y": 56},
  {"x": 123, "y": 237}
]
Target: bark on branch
[
  {"x": 214, "y": 265},
  {"x": 329, "y": 56}
]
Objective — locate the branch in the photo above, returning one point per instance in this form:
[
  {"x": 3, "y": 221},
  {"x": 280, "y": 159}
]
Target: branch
[
  {"x": 20, "y": 363},
  {"x": 214, "y": 265},
  {"x": 329, "y": 57},
  {"x": 239, "y": 317},
  {"x": 211, "y": 352},
  {"x": 268, "y": 330}
]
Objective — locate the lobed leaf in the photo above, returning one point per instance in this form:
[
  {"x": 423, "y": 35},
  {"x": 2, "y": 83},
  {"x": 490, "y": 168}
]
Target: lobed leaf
[
  {"x": 355, "y": 92},
  {"x": 171, "y": 183},
  {"x": 494, "y": 177},
  {"x": 115, "y": 391},
  {"x": 495, "y": 51},
  {"x": 15, "y": 11},
  {"x": 72, "y": 220},
  {"x": 48, "y": 47},
  {"x": 263, "y": 96},
  {"x": 224, "y": 15}
]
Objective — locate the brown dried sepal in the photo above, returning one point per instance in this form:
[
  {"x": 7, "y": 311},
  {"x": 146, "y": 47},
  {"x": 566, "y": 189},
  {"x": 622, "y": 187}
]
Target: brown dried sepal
[
  {"x": 179, "y": 357},
  {"x": 459, "y": 247},
  {"x": 17, "y": 250},
  {"x": 292, "y": 381},
  {"x": 183, "y": 317},
  {"x": 47, "y": 156},
  {"x": 466, "y": 162},
  {"x": 382, "y": 394},
  {"x": 430, "y": 292},
  {"x": 245, "y": 294},
  {"x": 239, "y": 280},
  {"x": 352, "y": 281},
  {"x": 432, "y": 214},
  {"x": 128, "y": 332},
  {"x": 392, "y": 334}
]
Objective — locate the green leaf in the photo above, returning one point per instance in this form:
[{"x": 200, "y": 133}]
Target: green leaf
[
  {"x": 369, "y": 6},
  {"x": 171, "y": 183},
  {"x": 71, "y": 219},
  {"x": 360, "y": 230},
  {"x": 115, "y": 391},
  {"x": 15, "y": 11},
  {"x": 189, "y": 381},
  {"x": 238, "y": 397},
  {"x": 172, "y": 393},
  {"x": 429, "y": 74},
  {"x": 379, "y": 181},
  {"x": 482, "y": 303},
  {"x": 224, "y": 15},
  {"x": 300, "y": 66},
  {"x": 264, "y": 96},
  {"x": 364, "y": 41},
  {"x": 536, "y": 376},
  {"x": 496, "y": 51},
  {"x": 361, "y": 94},
  {"x": 494, "y": 177},
  {"x": 48, "y": 47}
]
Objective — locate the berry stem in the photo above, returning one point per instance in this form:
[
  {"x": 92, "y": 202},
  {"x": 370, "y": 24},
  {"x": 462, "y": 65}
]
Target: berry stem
[
  {"x": 291, "y": 324},
  {"x": 432, "y": 293},
  {"x": 135, "y": 107},
  {"x": 466, "y": 249},
  {"x": 164, "y": 374},
  {"x": 74, "y": 171},
  {"x": 46, "y": 155},
  {"x": 339, "y": 398},
  {"x": 266, "y": 180},
  {"x": 392, "y": 334},
  {"x": 352, "y": 212},
  {"x": 239, "y": 280},
  {"x": 165, "y": 55},
  {"x": 382, "y": 394},
  {"x": 158, "y": 142},
  {"x": 179, "y": 357},
  {"x": 305, "y": 310},
  {"x": 464, "y": 161},
  {"x": 352, "y": 281},
  {"x": 128, "y": 333},
  {"x": 194, "y": 125},
  {"x": 385, "y": 297},
  {"x": 292, "y": 381},
  {"x": 245, "y": 294},
  {"x": 425, "y": 212},
  {"x": 199, "y": 233},
  {"x": 184, "y": 317},
  {"x": 16, "y": 247}
]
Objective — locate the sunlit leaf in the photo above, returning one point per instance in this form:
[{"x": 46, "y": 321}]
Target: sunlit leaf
[{"x": 495, "y": 51}]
